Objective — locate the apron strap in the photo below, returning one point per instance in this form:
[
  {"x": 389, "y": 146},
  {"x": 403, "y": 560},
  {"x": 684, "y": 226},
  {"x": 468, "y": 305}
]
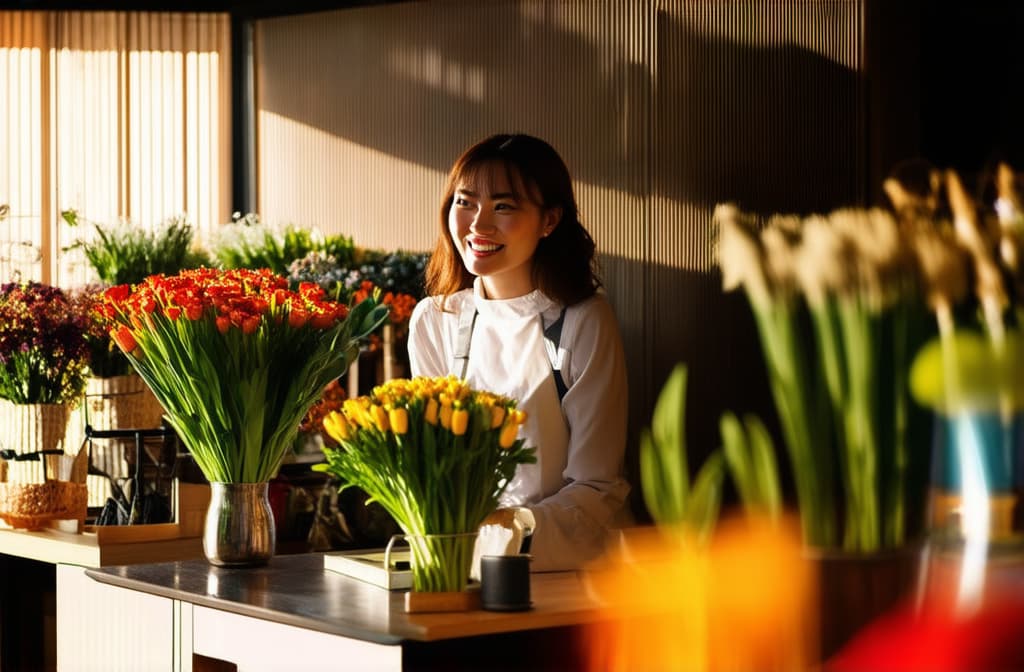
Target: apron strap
[
  {"x": 460, "y": 359},
  {"x": 552, "y": 341}
]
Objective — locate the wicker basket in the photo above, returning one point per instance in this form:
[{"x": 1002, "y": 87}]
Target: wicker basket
[
  {"x": 28, "y": 428},
  {"x": 31, "y": 505},
  {"x": 118, "y": 402},
  {"x": 121, "y": 402}
]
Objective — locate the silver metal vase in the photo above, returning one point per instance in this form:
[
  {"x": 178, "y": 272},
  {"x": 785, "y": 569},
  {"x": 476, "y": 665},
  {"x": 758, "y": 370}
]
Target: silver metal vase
[{"x": 239, "y": 530}]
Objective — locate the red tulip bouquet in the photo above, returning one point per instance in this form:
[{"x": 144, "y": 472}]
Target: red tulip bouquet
[{"x": 236, "y": 359}]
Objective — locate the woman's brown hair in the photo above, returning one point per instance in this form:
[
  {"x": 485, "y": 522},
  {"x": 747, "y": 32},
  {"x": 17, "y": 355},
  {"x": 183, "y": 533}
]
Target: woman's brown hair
[{"x": 563, "y": 264}]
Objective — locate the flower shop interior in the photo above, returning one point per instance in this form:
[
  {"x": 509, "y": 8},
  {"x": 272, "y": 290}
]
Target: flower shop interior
[{"x": 809, "y": 220}]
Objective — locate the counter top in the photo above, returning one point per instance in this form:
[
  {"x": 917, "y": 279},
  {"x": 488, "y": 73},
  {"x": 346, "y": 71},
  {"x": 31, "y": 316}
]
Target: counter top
[
  {"x": 86, "y": 550},
  {"x": 296, "y": 590}
]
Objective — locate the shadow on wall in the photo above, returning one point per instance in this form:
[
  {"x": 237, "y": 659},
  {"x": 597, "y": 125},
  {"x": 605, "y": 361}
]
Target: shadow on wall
[
  {"x": 442, "y": 75},
  {"x": 714, "y": 333},
  {"x": 690, "y": 118},
  {"x": 775, "y": 127}
]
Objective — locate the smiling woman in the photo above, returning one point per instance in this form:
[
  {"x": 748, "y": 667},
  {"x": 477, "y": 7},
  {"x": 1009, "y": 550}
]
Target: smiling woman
[
  {"x": 516, "y": 310},
  {"x": 496, "y": 227}
]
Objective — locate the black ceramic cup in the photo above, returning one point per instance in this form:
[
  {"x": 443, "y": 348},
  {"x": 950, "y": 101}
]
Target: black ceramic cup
[{"x": 505, "y": 582}]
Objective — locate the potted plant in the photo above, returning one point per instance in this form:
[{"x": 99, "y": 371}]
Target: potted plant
[
  {"x": 842, "y": 305},
  {"x": 436, "y": 454},
  {"x": 246, "y": 242},
  {"x": 839, "y": 305},
  {"x": 126, "y": 253},
  {"x": 970, "y": 374},
  {"x": 43, "y": 360}
]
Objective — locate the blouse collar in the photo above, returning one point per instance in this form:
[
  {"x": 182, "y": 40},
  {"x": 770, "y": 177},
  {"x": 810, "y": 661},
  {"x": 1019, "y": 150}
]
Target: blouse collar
[{"x": 528, "y": 305}]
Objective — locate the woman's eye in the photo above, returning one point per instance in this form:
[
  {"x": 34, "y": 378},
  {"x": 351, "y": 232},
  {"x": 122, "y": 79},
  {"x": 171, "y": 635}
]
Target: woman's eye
[
  {"x": 504, "y": 206},
  {"x": 461, "y": 202}
]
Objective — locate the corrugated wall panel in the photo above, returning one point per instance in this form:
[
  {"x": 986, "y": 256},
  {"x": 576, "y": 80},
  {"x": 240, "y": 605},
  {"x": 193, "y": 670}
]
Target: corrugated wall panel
[
  {"x": 660, "y": 109},
  {"x": 758, "y": 102}
]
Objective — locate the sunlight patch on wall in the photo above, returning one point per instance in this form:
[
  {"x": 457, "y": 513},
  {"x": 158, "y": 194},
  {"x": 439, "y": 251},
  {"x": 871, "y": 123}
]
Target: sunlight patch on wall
[
  {"x": 313, "y": 178},
  {"x": 427, "y": 65}
]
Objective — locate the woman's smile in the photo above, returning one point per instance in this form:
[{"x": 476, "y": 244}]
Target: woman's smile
[{"x": 483, "y": 247}]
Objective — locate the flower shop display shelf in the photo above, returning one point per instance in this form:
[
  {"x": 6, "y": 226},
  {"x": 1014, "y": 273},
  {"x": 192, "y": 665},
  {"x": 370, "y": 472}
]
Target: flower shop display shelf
[{"x": 98, "y": 546}]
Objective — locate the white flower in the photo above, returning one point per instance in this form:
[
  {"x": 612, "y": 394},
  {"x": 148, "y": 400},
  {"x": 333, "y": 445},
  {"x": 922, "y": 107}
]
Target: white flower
[{"x": 741, "y": 256}]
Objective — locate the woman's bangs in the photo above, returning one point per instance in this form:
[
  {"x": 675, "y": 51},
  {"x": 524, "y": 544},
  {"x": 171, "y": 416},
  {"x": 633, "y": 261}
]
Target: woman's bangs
[{"x": 482, "y": 176}]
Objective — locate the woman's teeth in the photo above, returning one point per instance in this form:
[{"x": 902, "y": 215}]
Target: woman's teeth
[{"x": 483, "y": 247}]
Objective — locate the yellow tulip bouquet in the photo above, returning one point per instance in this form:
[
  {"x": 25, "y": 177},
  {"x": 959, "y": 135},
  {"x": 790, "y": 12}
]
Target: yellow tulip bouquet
[{"x": 437, "y": 455}]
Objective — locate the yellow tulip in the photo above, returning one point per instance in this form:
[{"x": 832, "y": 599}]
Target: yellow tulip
[
  {"x": 430, "y": 414},
  {"x": 446, "y": 416},
  {"x": 497, "y": 416},
  {"x": 508, "y": 433},
  {"x": 399, "y": 419},
  {"x": 460, "y": 421},
  {"x": 337, "y": 427},
  {"x": 357, "y": 411},
  {"x": 380, "y": 417}
]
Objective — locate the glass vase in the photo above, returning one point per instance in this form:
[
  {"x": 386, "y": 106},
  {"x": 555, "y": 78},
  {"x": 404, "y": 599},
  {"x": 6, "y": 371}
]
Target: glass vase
[
  {"x": 975, "y": 527},
  {"x": 441, "y": 562},
  {"x": 239, "y": 529}
]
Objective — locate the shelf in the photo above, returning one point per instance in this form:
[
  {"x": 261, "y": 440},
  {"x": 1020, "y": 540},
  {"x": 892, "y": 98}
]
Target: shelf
[{"x": 86, "y": 549}]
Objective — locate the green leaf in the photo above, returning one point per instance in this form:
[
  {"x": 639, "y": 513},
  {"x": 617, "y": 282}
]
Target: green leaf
[
  {"x": 706, "y": 498},
  {"x": 654, "y": 489},
  {"x": 764, "y": 465},
  {"x": 668, "y": 430},
  {"x": 737, "y": 458}
]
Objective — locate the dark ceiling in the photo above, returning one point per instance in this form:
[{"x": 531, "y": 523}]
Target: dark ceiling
[{"x": 242, "y": 8}]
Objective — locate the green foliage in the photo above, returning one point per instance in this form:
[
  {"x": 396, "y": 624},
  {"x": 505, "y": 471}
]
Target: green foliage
[
  {"x": 663, "y": 467},
  {"x": 838, "y": 308},
  {"x": 127, "y": 253},
  {"x": 750, "y": 457},
  {"x": 247, "y": 243},
  {"x": 437, "y": 455}
]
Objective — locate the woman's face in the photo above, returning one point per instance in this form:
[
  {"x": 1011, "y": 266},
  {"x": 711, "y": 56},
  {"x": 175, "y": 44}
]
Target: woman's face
[{"x": 497, "y": 233}]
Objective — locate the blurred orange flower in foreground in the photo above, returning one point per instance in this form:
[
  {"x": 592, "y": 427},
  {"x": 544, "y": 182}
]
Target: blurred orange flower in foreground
[{"x": 742, "y": 603}]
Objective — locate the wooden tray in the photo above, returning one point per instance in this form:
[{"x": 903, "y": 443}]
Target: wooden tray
[
  {"x": 422, "y": 603},
  {"x": 192, "y": 501}
]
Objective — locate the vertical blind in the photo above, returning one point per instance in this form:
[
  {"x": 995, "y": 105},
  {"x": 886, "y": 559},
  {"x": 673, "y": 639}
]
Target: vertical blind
[{"x": 118, "y": 116}]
